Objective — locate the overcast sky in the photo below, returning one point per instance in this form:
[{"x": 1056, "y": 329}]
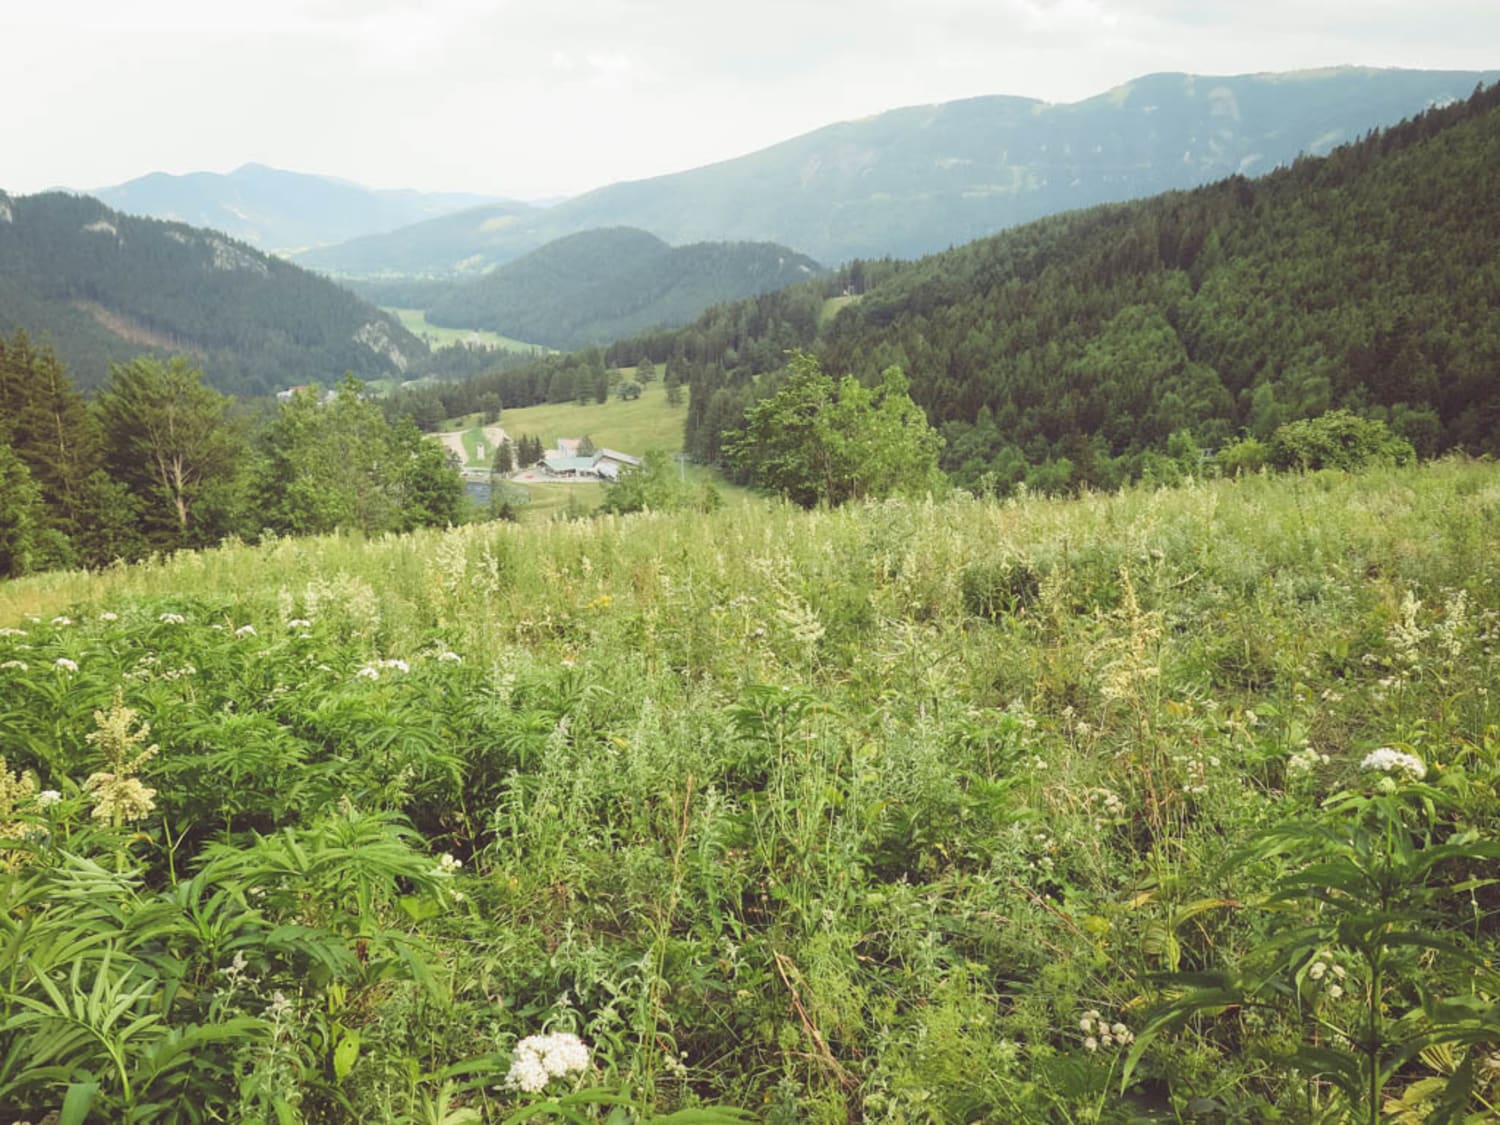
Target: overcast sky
[{"x": 537, "y": 98}]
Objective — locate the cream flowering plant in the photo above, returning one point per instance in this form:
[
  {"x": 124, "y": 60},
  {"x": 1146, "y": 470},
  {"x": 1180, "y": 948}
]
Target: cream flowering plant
[{"x": 119, "y": 795}]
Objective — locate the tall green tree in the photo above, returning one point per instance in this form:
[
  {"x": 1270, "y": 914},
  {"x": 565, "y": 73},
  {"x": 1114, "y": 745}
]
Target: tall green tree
[
  {"x": 339, "y": 465},
  {"x": 168, "y": 438},
  {"x": 20, "y": 514},
  {"x": 49, "y": 428},
  {"x": 820, "y": 441}
]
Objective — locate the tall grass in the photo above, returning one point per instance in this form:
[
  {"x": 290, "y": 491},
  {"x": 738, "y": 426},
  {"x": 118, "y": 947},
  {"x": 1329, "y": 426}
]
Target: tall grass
[{"x": 901, "y": 812}]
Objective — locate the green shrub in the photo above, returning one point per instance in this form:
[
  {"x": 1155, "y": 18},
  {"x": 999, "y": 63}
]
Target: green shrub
[{"x": 1338, "y": 440}]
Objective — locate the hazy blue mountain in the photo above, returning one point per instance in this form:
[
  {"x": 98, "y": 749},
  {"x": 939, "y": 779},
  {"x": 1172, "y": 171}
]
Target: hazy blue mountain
[
  {"x": 923, "y": 178},
  {"x": 277, "y": 210},
  {"x": 101, "y": 286},
  {"x": 599, "y": 285}
]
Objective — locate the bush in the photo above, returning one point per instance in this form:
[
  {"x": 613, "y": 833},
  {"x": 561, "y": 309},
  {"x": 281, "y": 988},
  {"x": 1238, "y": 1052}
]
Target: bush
[{"x": 1338, "y": 440}]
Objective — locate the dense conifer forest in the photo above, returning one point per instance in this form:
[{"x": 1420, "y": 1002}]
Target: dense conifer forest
[
  {"x": 102, "y": 287},
  {"x": 1064, "y": 351}
]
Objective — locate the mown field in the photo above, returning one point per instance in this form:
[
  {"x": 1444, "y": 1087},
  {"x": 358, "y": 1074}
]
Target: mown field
[
  {"x": 437, "y": 336},
  {"x": 1151, "y": 806},
  {"x": 634, "y": 426}
]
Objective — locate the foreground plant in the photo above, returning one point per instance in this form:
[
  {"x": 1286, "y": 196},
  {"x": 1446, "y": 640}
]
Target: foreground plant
[{"x": 1355, "y": 959}]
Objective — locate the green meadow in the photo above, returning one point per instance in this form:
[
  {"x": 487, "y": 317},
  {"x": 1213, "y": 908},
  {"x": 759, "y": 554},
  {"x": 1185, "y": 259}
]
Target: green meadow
[
  {"x": 415, "y": 322},
  {"x": 1151, "y": 805}
]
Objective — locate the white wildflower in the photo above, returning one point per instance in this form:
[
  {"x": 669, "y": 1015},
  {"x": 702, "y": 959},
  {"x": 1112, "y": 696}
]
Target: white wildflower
[
  {"x": 447, "y": 866},
  {"x": 398, "y": 665},
  {"x": 368, "y": 672},
  {"x": 8, "y": 632},
  {"x": 245, "y": 631},
  {"x": 61, "y": 622},
  {"x": 527, "y": 1074},
  {"x": 450, "y": 658},
  {"x": 299, "y": 623},
  {"x": 1335, "y": 991},
  {"x": 1091, "y": 1044},
  {"x": 1388, "y": 760},
  {"x": 109, "y": 615},
  {"x": 47, "y": 798},
  {"x": 65, "y": 664},
  {"x": 1306, "y": 760},
  {"x": 172, "y": 619},
  {"x": 539, "y": 1058},
  {"x": 18, "y": 665}
]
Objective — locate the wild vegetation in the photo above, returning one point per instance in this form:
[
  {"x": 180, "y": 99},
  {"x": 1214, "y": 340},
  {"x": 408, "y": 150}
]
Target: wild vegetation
[{"x": 1146, "y": 805}]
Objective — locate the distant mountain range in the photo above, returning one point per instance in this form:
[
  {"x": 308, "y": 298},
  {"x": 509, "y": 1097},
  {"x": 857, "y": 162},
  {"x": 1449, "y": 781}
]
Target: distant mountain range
[
  {"x": 917, "y": 180},
  {"x": 277, "y": 210},
  {"x": 100, "y": 286},
  {"x": 600, "y": 285}
]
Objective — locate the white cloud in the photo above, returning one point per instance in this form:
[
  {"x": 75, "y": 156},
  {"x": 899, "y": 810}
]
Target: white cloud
[{"x": 523, "y": 98}]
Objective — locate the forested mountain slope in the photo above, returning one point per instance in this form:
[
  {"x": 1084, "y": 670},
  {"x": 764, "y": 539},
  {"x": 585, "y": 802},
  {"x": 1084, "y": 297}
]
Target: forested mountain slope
[
  {"x": 597, "y": 286},
  {"x": 1368, "y": 279},
  {"x": 279, "y": 210},
  {"x": 920, "y": 179},
  {"x": 102, "y": 287}
]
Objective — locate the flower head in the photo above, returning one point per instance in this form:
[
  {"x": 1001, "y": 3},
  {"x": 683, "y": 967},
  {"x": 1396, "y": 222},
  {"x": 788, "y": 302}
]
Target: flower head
[
  {"x": 1388, "y": 760},
  {"x": 118, "y": 794},
  {"x": 65, "y": 664},
  {"x": 539, "y": 1058},
  {"x": 172, "y": 619},
  {"x": 245, "y": 631}
]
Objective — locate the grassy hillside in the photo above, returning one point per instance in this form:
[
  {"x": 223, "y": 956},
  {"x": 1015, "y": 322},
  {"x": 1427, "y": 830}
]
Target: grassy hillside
[
  {"x": 439, "y": 336},
  {"x": 631, "y": 427},
  {"x": 904, "y": 812}
]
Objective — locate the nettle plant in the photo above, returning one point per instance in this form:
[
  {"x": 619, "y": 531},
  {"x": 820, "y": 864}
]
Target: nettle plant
[{"x": 1372, "y": 954}]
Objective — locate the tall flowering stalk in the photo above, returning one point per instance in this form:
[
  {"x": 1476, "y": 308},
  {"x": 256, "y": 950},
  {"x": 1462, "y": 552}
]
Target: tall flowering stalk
[{"x": 118, "y": 794}]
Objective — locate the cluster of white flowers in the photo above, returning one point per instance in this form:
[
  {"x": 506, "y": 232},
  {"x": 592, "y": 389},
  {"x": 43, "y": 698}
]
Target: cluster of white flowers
[
  {"x": 47, "y": 798},
  {"x": 448, "y": 865},
  {"x": 372, "y": 670},
  {"x": 1306, "y": 760},
  {"x": 65, "y": 664},
  {"x": 245, "y": 631},
  {"x": 1107, "y": 803},
  {"x": 109, "y": 615},
  {"x": 1327, "y": 974},
  {"x": 450, "y": 658},
  {"x": 299, "y": 623},
  {"x": 9, "y": 632},
  {"x": 540, "y": 1058},
  {"x": 62, "y": 622},
  {"x": 18, "y": 665},
  {"x": 172, "y": 619},
  {"x": 1395, "y": 761},
  {"x": 1101, "y": 1034}
]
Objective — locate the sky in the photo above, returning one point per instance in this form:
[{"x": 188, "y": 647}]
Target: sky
[{"x": 534, "y": 99}]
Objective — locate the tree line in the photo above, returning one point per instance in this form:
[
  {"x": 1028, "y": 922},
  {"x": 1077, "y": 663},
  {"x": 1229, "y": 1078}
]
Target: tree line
[{"x": 159, "y": 461}]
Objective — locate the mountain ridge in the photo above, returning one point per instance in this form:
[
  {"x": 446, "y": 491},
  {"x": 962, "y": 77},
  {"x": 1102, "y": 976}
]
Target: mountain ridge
[
  {"x": 915, "y": 179},
  {"x": 101, "y": 286}
]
